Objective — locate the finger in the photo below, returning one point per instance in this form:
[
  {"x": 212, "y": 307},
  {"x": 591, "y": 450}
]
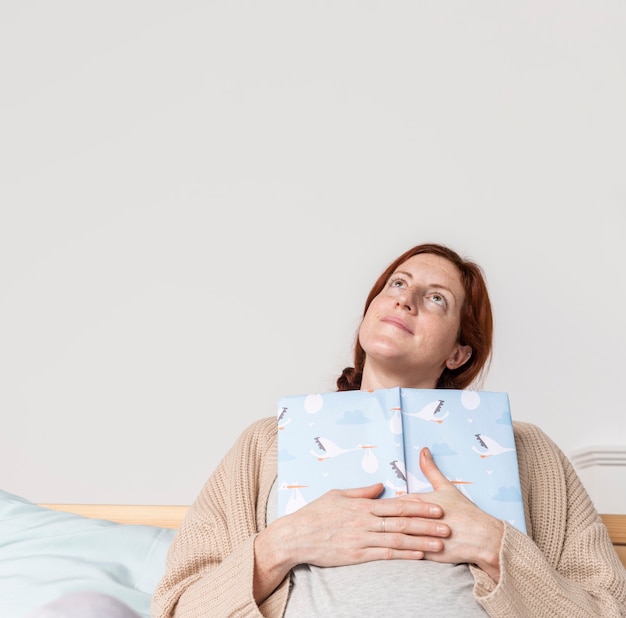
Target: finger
[
  {"x": 409, "y": 505},
  {"x": 432, "y": 472},
  {"x": 425, "y": 539},
  {"x": 369, "y": 491},
  {"x": 388, "y": 553},
  {"x": 413, "y": 526}
]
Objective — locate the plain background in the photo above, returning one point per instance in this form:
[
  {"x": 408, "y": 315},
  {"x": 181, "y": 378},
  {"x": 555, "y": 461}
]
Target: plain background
[{"x": 197, "y": 196}]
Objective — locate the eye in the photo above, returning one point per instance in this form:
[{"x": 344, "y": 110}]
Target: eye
[
  {"x": 438, "y": 299},
  {"x": 396, "y": 282}
]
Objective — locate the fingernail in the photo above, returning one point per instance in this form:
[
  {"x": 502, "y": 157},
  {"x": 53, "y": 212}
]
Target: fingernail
[
  {"x": 426, "y": 452},
  {"x": 434, "y": 510}
]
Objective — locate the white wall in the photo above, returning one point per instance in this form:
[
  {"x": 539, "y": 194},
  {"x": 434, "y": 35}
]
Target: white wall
[{"x": 196, "y": 197}]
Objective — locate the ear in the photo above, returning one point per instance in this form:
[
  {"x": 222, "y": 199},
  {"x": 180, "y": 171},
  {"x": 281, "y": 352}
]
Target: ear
[{"x": 459, "y": 356}]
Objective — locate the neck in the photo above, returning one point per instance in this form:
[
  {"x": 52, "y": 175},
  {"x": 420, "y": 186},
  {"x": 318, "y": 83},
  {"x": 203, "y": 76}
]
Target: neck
[{"x": 376, "y": 378}]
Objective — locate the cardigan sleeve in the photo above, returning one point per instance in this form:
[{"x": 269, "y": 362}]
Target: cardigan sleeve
[
  {"x": 566, "y": 567},
  {"x": 210, "y": 565}
]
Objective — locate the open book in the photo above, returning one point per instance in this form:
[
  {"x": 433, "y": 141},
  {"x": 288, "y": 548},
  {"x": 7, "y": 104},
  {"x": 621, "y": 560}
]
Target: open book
[{"x": 346, "y": 439}]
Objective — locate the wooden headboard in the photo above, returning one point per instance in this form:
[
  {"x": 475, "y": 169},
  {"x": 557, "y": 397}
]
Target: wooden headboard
[
  {"x": 165, "y": 516},
  {"x": 171, "y": 517},
  {"x": 617, "y": 531}
]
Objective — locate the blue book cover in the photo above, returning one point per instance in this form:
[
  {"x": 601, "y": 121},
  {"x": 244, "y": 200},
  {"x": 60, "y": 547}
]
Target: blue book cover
[{"x": 354, "y": 438}]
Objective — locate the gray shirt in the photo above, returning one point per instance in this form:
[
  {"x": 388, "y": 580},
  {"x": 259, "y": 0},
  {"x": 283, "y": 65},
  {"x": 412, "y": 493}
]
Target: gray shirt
[{"x": 380, "y": 588}]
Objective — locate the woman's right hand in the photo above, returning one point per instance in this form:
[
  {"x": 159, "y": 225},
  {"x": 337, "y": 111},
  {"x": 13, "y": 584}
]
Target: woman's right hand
[{"x": 343, "y": 527}]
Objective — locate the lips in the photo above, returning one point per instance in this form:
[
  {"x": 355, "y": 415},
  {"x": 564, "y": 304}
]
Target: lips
[{"x": 400, "y": 323}]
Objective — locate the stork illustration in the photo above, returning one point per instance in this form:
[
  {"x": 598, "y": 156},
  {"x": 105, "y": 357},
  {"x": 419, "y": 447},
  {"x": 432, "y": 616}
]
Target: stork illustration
[
  {"x": 281, "y": 414},
  {"x": 413, "y": 483},
  {"x": 395, "y": 422},
  {"x": 429, "y": 412},
  {"x": 492, "y": 447},
  {"x": 331, "y": 449},
  {"x": 296, "y": 499}
]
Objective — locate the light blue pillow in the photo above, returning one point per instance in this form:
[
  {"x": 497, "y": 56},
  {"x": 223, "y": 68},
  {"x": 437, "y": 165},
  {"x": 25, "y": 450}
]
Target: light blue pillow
[{"x": 45, "y": 554}]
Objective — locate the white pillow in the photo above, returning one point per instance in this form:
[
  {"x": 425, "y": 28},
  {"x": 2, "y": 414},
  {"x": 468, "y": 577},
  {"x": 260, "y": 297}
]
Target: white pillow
[{"x": 45, "y": 554}]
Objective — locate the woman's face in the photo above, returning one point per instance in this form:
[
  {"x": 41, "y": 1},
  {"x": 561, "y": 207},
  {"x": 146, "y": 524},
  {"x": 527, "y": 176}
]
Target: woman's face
[{"x": 410, "y": 330}]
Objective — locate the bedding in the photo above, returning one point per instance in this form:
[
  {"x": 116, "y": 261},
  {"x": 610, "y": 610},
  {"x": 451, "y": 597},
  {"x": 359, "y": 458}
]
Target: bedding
[{"x": 46, "y": 553}]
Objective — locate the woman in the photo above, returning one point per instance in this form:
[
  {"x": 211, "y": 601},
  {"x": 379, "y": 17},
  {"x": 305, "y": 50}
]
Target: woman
[{"x": 427, "y": 324}]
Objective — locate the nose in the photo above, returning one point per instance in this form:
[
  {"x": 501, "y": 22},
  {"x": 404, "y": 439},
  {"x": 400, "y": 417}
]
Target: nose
[{"x": 406, "y": 301}]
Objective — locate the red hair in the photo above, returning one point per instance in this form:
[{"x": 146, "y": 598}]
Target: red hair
[{"x": 476, "y": 328}]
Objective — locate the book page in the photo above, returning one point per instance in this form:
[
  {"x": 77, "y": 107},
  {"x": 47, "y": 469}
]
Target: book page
[
  {"x": 470, "y": 435},
  {"x": 338, "y": 440}
]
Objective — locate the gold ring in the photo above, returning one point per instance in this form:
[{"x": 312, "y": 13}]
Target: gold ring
[{"x": 382, "y": 523}]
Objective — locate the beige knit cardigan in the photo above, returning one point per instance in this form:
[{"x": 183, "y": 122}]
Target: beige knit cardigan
[{"x": 564, "y": 567}]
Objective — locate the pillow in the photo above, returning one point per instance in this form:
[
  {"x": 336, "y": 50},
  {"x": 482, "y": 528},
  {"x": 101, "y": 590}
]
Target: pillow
[{"x": 45, "y": 554}]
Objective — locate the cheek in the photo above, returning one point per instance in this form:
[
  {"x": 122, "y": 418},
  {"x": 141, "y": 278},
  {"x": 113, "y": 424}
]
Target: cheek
[
  {"x": 366, "y": 324},
  {"x": 362, "y": 332},
  {"x": 446, "y": 333},
  {"x": 377, "y": 304}
]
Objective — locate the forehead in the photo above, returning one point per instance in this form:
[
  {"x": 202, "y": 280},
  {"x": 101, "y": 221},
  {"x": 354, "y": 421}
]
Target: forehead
[{"x": 433, "y": 269}]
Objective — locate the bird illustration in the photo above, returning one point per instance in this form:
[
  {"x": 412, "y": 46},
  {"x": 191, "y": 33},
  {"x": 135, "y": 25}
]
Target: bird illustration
[
  {"x": 332, "y": 450},
  {"x": 395, "y": 422},
  {"x": 398, "y": 490},
  {"x": 493, "y": 447},
  {"x": 296, "y": 499},
  {"x": 429, "y": 412},
  {"x": 461, "y": 487},
  {"x": 281, "y": 414},
  {"x": 412, "y": 482},
  {"x": 291, "y": 486}
]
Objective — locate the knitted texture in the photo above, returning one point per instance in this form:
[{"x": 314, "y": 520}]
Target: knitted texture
[{"x": 565, "y": 567}]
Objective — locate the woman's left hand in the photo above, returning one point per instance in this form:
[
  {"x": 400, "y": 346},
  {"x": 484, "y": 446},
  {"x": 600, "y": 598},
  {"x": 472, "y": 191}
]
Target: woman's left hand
[{"x": 475, "y": 536}]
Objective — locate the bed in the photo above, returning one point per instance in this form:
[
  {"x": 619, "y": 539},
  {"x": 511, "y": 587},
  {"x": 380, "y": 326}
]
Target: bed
[
  {"x": 617, "y": 531},
  {"x": 47, "y": 550},
  {"x": 172, "y": 516},
  {"x": 165, "y": 516}
]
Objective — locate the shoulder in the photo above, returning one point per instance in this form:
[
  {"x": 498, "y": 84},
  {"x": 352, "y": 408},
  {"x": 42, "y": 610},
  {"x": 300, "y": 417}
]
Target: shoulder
[
  {"x": 537, "y": 453},
  {"x": 259, "y": 437},
  {"x": 541, "y": 461},
  {"x": 531, "y": 436},
  {"x": 264, "y": 427}
]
